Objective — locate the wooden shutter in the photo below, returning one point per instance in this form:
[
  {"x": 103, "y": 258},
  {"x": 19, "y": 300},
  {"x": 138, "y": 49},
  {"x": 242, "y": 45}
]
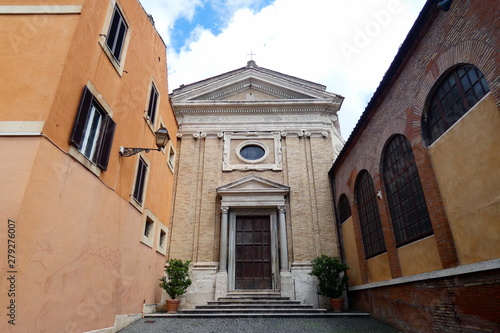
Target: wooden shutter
[
  {"x": 108, "y": 132},
  {"x": 81, "y": 118}
]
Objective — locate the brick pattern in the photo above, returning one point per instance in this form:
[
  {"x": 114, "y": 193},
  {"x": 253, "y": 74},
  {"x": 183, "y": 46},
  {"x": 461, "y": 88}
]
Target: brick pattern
[
  {"x": 466, "y": 34},
  {"x": 309, "y": 216},
  {"x": 466, "y": 303}
]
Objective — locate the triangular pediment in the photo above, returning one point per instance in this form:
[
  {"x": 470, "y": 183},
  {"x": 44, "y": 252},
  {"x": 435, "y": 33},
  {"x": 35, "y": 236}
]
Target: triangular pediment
[
  {"x": 253, "y": 89},
  {"x": 252, "y": 83},
  {"x": 253, "y": 184}
]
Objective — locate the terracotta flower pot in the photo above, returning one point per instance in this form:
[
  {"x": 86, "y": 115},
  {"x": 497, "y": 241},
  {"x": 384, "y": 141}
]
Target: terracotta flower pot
[
  {"x": 172, "y": 305},
  {"x": 337, "y": 304}
]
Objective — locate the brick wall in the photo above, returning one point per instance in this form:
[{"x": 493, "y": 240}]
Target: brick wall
[
  {"x": 310, "y": 219},
  {"x": 466, "y": 34},
  {"x": 465, "y": 303}
]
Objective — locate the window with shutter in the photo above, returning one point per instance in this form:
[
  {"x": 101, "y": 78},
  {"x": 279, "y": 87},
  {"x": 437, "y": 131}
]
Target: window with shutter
[{"x": 93, "y": 131}]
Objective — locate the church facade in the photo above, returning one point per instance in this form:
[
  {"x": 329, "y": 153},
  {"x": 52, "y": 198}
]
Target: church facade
[{"x": 252, "y": 200}]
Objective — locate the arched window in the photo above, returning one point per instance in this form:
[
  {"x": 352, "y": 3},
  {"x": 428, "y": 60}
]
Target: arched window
[
  {"x": 410, "y": 218},
  {"x": 369, "y": 217},
  {"x": 459, "y": 91},
  {"x": 344, "y": 208}
]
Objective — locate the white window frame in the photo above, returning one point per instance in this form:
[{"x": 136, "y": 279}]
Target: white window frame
[
  {"x": 94, "y": 130},
  {"x": 159, "y": 248},
  {"x": 149, "y": 239},
  {"x": 254, "y": 139},
  {"x": 171, "y": 156}
]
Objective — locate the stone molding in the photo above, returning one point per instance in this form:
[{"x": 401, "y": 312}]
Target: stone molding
[
  {"x": 252, "y": 138},
  {"x": 274, "y": 83}
]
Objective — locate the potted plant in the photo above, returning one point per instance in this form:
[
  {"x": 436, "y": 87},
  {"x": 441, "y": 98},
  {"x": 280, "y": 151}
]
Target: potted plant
[
  {"x": 332, "y": 279},
  {"x": 176, "y": 282}
]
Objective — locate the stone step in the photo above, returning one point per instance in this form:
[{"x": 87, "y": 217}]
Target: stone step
[
  {"x": 255, "y": 306},
  {"x": 254, "y": 301},
  {"x": 257, "y": 315},
  {"x": 254, "y": 311},
  {"x": 253, "y": 298}
]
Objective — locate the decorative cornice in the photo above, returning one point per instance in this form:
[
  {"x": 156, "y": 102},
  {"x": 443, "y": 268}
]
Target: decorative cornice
[
  {"x": 259, "y": 110},
  {"x": 41, "y": 9},
  {"x": 274, "y": 83},
  {"x": 212, "y": 135}
]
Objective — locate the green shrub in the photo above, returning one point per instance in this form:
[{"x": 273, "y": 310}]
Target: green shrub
[
  {"x": 331, "y": 274},
  {"x": 177, "y": 280}
]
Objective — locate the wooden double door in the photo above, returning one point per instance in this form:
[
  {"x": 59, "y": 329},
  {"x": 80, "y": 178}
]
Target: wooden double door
[{"x": 253, "y": 253}]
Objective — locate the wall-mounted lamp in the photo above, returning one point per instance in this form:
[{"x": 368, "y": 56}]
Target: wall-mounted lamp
[
  {"x": 445, "y": 4},
  {"x": 161, "y": 137}
]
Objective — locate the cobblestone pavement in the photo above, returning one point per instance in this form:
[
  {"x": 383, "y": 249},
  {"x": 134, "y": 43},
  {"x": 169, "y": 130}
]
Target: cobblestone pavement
[{"x": 260, "y": 325}]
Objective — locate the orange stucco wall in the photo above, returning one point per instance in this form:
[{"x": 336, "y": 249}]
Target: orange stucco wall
[
  {"x": 378, "y": 268},
  {"x": 32, "y": 62},
  {"x": 471, "y": 189},
  {"x": 79, "y": 256},
  {"x": 419, "y": 257},
  {"x": 80, "y": 261},
  {"x": 351, "y": 252}
]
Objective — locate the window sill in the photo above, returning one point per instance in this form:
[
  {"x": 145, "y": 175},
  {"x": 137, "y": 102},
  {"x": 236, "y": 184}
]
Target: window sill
[
  {"x": 147, "y": 241},
  {"x": 84, "y": 161},
  {"x": 118, "y": 66},
  {"x": 136, "y": 205}
]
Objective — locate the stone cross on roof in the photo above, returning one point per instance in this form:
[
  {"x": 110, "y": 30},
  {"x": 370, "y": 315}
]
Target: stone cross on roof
[{"x": 251, "y": 54}]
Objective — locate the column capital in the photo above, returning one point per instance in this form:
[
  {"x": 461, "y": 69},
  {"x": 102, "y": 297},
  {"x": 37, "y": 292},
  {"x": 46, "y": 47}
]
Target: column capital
[
  {"x": 224, "y": 209},
  {"x": 282, "y": 209}
]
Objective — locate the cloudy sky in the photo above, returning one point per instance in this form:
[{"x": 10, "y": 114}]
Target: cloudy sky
[{"x": 345, "y": 45}]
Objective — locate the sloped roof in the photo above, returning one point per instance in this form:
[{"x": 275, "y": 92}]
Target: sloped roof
[
  {"x": 422, "y": 24},
  {"x": 259, "y": 82}
]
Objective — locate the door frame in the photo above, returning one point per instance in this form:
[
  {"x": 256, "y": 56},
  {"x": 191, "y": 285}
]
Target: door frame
[{"x": 273, "y": 220}]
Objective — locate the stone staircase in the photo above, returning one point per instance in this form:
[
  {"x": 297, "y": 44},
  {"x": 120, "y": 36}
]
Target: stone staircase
[{"x": 254, "y": 304}]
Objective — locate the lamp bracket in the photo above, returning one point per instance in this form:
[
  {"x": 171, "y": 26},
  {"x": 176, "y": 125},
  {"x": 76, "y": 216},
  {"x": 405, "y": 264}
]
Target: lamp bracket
[{"x": 126, "y": 152}]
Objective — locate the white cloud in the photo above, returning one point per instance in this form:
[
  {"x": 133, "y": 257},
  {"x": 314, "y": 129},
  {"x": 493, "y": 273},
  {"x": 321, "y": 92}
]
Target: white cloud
[
  {"x": 345, "y": 45},
  {"x": 165, "y": 13}
]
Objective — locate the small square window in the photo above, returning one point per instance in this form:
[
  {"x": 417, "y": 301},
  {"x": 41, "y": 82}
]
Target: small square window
[
  {"x": 162, "y": 240},
  {"x": 148, "y": 228}
]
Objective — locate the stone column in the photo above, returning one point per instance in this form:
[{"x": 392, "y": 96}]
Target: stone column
[
  {"x": 223, "y": 239},
  {"x": 283, "y": 241}
]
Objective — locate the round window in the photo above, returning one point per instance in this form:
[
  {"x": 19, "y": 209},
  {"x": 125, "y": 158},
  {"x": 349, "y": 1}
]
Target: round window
[{"x": 252, "y": 152}]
